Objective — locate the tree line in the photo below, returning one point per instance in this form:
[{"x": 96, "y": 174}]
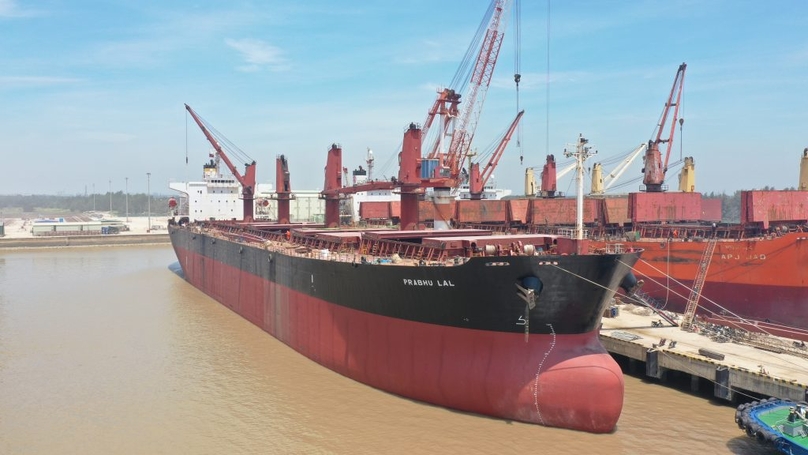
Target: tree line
[
  {"x": 138, "y": 203},
  {"x": 731, "y": 203}
]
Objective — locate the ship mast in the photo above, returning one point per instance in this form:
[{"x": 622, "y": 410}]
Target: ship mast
[
  {"x": 581, "y": 153},
  {"x": 369, "y": 161}
]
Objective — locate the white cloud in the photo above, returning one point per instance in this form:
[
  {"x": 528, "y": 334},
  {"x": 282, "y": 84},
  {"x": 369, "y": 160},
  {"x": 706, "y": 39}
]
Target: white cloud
[
  {"x": 9, "y": 8},
  {"x": 107, "y": 137},
  {"x": 7, "y": 82},
  {"x": 258, "y": 54}
]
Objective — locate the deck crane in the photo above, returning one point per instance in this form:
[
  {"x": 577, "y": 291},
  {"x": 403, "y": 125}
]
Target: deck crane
[
  {"x": 477, "y": 179},
  {"x": 600, "y": 184},
  {"x": 283, "y": 190},
  {"x": 461, "y": 126},
  {"x": 410, "y": 182},
  {"x": 654, "y": 170},
  {"x": 247, "y": 180},
  {"x": 549, "y": 178}
]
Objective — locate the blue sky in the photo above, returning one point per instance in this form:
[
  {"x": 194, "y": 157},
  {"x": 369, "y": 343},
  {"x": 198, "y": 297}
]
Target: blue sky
[{"x": 93, "y": 91}]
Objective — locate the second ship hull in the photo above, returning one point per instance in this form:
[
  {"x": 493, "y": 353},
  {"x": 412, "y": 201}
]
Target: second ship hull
[{"x": 760, "y": 279}]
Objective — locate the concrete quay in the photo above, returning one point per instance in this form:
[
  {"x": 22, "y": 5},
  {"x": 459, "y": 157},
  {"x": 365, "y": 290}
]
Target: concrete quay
[
  {"x": 85, "y": 240},
  {"x": 734, "y": 368}
]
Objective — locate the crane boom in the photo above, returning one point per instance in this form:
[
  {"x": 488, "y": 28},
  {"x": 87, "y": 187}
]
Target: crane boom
[
  {"x": 611, "y": 178},
  {"x": 247, "y": 180},
  {"x": 655, "y": 169},
  {"x": 477, "y": 179},
  {"x": 567, "y": 170}
]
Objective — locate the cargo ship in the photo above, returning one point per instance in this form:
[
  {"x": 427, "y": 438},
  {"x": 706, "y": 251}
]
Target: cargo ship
[
  {"x": 500, "y": 325},
  {"x": 752, "y": 278},
  {"x": 750, "y": 274}
]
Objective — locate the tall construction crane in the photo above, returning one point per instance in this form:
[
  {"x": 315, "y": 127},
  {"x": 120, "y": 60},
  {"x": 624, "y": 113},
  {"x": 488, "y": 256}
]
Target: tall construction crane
[
  {"x": 654, "y": 170},
  {"x": 461, "y": 126},
  {"x": 247, "y": 180}
]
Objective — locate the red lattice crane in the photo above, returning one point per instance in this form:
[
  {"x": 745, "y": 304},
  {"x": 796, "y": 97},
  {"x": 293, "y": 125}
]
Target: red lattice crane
[
  {"x": 461, "y": 126},
  {"x": 655, "y": 169},
  {"x": 247, "y": 180}
]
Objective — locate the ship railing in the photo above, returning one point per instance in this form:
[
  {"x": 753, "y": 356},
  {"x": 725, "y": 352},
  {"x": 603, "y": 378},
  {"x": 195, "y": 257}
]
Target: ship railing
[
  {"x": 499, "y": 227},
  {"x": 387, "y": 251},
  {"x": 387, "y": 248},
  {"x": 571, "y": 233},
  {"x": 694, "y": 231}
]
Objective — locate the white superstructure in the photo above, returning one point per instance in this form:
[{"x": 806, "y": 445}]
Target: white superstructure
[{"x": 218, "y": 196}]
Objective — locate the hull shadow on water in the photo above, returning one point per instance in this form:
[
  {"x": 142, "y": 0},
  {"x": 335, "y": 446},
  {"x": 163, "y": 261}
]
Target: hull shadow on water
[{"x": 177, "y": 269}]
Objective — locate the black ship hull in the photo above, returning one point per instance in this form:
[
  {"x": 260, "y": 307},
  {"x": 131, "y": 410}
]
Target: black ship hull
[{"x": 459, "y": 335}]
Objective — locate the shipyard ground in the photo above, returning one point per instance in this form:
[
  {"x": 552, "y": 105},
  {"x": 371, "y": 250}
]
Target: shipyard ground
[
  {"x": 777, "y": 368},
  {"x": 17, "y": 234}
]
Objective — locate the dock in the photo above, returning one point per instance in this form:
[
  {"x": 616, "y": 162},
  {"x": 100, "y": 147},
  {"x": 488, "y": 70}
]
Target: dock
[{"x": 769, "y": 366}]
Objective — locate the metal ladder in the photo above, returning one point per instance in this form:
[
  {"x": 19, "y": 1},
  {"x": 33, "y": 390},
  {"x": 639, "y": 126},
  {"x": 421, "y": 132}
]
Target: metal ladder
[
  {"x": 698, "y": 284},
  {"x": 652, "y": 304}
]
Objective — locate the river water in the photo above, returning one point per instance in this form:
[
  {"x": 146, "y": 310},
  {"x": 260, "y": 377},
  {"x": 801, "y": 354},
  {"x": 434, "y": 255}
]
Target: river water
[{"x": 109, "y": 351}]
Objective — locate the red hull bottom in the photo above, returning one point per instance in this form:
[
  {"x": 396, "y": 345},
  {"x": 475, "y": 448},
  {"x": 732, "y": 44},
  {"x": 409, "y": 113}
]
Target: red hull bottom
[{"x": 567, "y": 381}]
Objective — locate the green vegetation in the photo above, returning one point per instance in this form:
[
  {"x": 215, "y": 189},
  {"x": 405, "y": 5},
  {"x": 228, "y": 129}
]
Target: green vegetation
[
  {"x": 730, "y": 206},
  {"x": 46, "y": 205}
]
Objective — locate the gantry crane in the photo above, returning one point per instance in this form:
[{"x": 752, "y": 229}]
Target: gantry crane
[
  {"x": 247, "y": 180},
  {"x": 654, "y": 170}
]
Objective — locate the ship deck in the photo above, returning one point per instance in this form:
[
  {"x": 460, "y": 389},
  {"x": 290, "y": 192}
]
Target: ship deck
[{"x": 388, "y": 246}]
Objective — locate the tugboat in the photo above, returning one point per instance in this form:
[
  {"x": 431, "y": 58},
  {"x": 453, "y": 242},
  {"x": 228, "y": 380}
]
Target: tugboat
[{"x": 782, "y": 424}]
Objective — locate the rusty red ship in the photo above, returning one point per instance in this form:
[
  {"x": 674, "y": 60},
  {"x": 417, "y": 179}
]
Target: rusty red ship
[{"x": 501, "y": 325}]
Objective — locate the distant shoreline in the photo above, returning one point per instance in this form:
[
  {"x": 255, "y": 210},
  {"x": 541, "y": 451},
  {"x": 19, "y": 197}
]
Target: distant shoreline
[{"x": 84, "y": 240}]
